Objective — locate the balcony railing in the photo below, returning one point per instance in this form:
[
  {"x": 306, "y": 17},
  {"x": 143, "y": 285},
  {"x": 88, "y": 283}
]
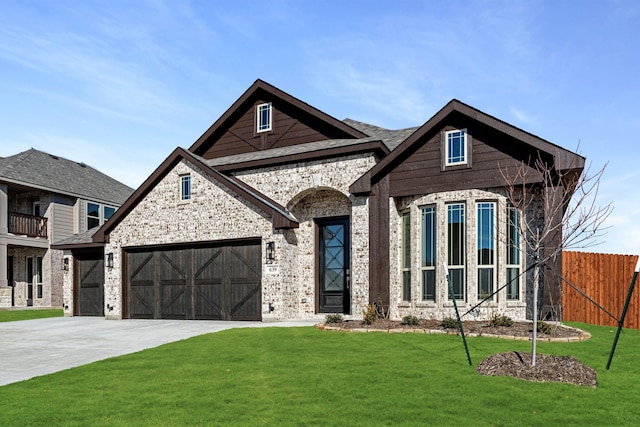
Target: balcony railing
[{"x": 27, "y": 225}]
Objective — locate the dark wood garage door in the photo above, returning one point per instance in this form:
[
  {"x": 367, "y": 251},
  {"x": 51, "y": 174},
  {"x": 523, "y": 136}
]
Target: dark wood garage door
[
  {"x": 89, "y": 285},
  {"x": 216, "y": 283}
]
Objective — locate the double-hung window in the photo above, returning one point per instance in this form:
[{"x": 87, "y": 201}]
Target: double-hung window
[
  {"x": 93, "y": 215},
  {"x": 406, "y": 256},
  {"x": 185, "y": 187},
  {"x": 108, "y": 212},
  {"x": 486, "y": 247},
  {"x": 98, "y": 214},
  {"x": 455, "y": 249},
  {"x": 428, "y": 253},
  {"x": 513, "y": 253},
  {"x": 263, "y": 117},
  {"x": 455, "y": 147}
]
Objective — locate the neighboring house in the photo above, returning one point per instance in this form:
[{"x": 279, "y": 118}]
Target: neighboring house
[
  {"x": 43, "y": 199},
  {"x": 280, "y": 211}
]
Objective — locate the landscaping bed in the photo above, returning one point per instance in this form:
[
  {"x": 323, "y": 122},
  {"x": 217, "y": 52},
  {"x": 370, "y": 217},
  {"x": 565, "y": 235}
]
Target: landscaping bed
[{"x": 518, "y": 330}]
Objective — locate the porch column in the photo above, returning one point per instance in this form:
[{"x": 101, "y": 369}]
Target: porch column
[{"x": 5, "y": 290}]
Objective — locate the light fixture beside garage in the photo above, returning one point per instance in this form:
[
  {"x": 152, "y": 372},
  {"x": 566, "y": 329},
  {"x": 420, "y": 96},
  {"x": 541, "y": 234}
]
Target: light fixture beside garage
[
  {"x": 110, "y": 260},
  {"x": 65, "y": 264},
  {"x": 271, "y": 252}
]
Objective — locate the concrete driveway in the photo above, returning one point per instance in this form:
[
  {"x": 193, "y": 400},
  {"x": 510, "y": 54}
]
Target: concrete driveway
[{"x": 31, "y": 348}]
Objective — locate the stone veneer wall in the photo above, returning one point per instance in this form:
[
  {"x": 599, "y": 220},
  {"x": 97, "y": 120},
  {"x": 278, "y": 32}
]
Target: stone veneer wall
[
  {"x": 314, "y": 190},
  {"x": 50, "y": 278},
  {"x": 162, "y": 218},
  {"x": 442, "y": 307},
  {"x": 67, "y": 286}
]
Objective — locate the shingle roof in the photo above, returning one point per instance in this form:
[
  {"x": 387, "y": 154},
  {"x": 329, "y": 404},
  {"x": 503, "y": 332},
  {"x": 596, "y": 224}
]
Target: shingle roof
[
  {"x": 47, "y": 171},
  {"x": 286, "y": 151},
  {"x": 83, "y": 238},
  {"x": 391, "y": 138}
]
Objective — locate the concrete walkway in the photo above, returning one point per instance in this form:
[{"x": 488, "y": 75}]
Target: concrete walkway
[{"x": 31, "y": 348}]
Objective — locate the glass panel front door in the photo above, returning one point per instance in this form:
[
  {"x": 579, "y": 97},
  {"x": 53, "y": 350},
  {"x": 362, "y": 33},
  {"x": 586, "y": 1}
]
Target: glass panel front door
[{"x": 334, "y": 266}]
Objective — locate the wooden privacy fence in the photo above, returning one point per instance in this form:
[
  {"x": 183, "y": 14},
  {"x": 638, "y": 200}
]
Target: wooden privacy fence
[{"x": 604, "y": 278}]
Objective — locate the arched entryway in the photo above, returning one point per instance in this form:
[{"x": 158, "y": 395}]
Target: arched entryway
[{"x": 324, "y": 247}]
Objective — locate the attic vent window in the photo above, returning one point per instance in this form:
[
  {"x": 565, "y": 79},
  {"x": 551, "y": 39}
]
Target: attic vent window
[
  {"x": 456, "y": 147},
  {"x": 263, "y": 117}
]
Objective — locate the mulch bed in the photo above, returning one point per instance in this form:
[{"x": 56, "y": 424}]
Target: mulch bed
[
  {"x": 565, "y": 369},
  {"x": 518, "y": 329},
  {"x": 515, "y": 364}
]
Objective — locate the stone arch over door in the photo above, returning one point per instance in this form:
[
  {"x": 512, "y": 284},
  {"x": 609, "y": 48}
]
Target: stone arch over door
[{"x": 313, "y": 208}]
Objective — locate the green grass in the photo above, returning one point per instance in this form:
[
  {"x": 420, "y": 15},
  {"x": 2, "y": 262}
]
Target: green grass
[
  {"x": 303, "y": 376},
  {"x": 13, "y": 315}
]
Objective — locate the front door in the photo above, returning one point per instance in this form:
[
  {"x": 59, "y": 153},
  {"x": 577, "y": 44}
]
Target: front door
[{"x": 334, "y": 294}]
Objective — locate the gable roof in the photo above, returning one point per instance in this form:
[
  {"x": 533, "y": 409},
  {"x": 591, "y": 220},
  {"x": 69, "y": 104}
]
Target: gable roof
[
  {"x": 257, "y": 89},
  {"x": 563, "y": 159},
  {"x": 37, "y": 169},
  {"x": 391, "y": 138},
  {"x": 280, "y": 217}
]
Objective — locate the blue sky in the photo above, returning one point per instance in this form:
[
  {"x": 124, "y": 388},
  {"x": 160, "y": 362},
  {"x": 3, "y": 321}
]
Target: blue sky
[{"x": 119, "y": 84}]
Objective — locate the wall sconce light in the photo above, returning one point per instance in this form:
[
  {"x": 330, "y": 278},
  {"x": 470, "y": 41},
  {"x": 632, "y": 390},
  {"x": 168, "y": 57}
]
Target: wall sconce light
[
  {"x": 110, "y": 260},
  {"x": 65, "y": 264},
  {"x": 271, "y": 252}
]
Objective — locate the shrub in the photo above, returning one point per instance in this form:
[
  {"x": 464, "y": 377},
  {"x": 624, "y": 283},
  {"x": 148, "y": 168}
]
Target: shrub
[
  {"x": 449, "y": 323},
  {"x": 500, "y": 320},
  {"x": 334, "y": 318},
  {"x": 410, "y": 320},
  {"x": 544, "y": 327},
  {"x": 369, "y": 315}
]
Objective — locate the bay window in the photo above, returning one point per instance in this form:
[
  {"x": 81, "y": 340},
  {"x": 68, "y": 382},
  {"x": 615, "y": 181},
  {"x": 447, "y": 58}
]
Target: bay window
[
  {"x": 486, "y": 244},
  {"x": 456, "y": 249},
  {"x": 428, "y": 253}
]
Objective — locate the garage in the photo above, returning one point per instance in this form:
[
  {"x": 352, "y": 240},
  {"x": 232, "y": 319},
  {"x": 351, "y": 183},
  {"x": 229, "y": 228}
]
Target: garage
[
  {"x": 89, "y": 284},
  {"x": 212, "y": 282}
]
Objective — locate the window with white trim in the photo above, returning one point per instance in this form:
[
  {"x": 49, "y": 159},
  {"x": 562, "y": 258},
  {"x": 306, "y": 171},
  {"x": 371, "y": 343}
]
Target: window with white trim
[
  {"x": 185, "y": 187},
  {"x": 98, "y": 214},
  {"x": 406, "y": 256},
  {"x": 455, "y": 147},
  {"x": 486, "y": 245},
  {"x": 456, "y": 249},
  {"x": 263, "y": 117},
  {"x": 93, "y": 215},
  {"x": 428, "y": 253},
  {"x": 108, "y": 212},
  {"x": 514, "y": 253}
]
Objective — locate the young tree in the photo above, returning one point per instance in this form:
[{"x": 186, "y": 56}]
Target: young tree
[{"x": 562, "y": 213}]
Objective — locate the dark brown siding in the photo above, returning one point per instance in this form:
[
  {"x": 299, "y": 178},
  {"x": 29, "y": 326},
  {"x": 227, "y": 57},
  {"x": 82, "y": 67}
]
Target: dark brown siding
[
  {"x": 605, "y": 278},
  {"x": 379, "y": 243},
  {"x": 290, "y": 127},
  {"x": 421, "y": 171}
]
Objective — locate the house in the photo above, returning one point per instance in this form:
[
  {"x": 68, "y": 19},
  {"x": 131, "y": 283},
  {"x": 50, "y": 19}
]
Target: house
[
  {"x": 43, "y": 199},
  {"x": 281, "y": 211}
]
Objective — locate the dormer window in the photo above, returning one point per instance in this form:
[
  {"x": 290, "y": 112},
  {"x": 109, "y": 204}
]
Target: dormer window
[
  {"x": 455, "y": 142},
  {"x": 263, "y": 117}
]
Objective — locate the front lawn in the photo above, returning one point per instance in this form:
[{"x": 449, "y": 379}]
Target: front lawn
[
  {"x": 13, "y": 315},
  {"x": 303, "y": 376}
]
